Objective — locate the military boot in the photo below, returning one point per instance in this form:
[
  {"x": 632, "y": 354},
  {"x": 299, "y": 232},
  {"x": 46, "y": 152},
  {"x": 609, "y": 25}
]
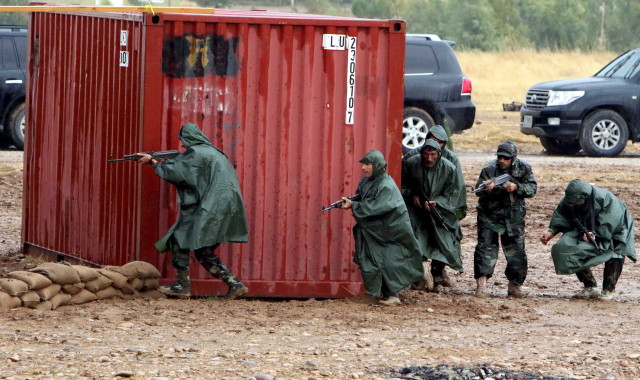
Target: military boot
[
  {"x": 481, "y": 287},
  {"x": 588, "y": 292},
  {"x": 427, "y": 277},
  {"x": 515, "y": 291},
  {"x": 180, "y": 288},
  {"x": 447, "y": 282},
  {"x": 236, "y": 289}
]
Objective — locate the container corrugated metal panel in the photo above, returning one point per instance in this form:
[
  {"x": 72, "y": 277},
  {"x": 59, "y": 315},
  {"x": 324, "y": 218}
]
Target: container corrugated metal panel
[{"x": 264, "y": 89}]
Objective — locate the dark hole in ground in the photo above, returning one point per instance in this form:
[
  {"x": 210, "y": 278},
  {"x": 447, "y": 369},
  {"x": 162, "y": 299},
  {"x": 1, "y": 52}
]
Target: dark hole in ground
[{"x": 450, "y": 372}]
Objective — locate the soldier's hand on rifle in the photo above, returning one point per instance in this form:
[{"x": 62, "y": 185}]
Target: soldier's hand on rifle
[
  {"x": 144, "y": 158},
  {"x": 489, "y": 185},
  {"x": 548, "y": 235},
  {"x": 585, "y": 238},
  {"x": 510, "y": 187},
  {"x": 346, "y": 204},
  {"x": 416, "y": 201},
  {"x": 429, "y": 204}
]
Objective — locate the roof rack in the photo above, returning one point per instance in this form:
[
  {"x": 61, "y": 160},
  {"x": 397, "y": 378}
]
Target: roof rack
[
  {"x": 431, "y": 37},
  {"x": 13, "y": 28}
]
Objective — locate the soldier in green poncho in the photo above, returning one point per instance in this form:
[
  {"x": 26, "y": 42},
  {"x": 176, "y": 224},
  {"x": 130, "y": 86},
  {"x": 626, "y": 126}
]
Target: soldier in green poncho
[
  {"x": 597, "y": 228},
  {"x": 501, "y": 216},
  {"x": 432, "y": 189},
  {"x": 386, "y": 250},
  {"x": 211, "y": 210}
]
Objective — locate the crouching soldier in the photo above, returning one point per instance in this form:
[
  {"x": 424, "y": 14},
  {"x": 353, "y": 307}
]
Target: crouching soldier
[
  {"x": 386, "y": 250},
  {"x": 597, "y": 228}
]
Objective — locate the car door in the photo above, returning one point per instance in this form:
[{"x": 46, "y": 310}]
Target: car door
[{"x": 12, "y": 77}]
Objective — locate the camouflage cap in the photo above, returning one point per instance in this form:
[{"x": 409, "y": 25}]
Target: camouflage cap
[{"x": 507, "y": 149}]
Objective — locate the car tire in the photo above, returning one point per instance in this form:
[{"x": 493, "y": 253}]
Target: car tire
[
  {"x": 554, "y": 146},
  {"x": 415, "y": 127},
  {"x": 604, "y": 133},
  {"x": 17, "y": 123}
]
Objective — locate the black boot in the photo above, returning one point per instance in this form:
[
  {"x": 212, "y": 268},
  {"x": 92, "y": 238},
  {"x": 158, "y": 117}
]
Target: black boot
[
  {"x": 180, "y": 288},
  {"x": 236, "y": 288}
]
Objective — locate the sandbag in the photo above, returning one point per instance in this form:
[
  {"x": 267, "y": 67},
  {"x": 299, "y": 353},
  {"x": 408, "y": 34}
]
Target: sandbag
[
  {"x": 119, "y": 280},
  {"x": 34, "y": 280},
  {"x": 109, "y": 292},
  {"x": 48, "y": 292},
  {"x": 86, "y": 274},
  {"x": 143, "y": 269},
  {"x": 73, "y": 288},
  {"x": 82, "y": 297},
  {"x": 30, "y": 299},
  {"x": 129, "y": 273},
  {"x": 8, "y": 301},
  {"x": 60, "y": 299},
  {"x": 102, "y": 282},
  {"x": 137, "y": 284},
  {"x": 44, "y": 306},
  {"x": 13, "y": 287},
  {"x": 58, "y": 273},
  {"x": 150, "y": 284}
]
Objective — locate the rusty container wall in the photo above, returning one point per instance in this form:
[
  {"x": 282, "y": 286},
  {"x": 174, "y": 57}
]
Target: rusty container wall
[
  {"x": 82, "y": 106},
  {"x": 267, "y": 92}
]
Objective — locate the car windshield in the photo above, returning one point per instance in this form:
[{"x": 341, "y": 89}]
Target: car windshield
[{"x": 624, "y": 67}]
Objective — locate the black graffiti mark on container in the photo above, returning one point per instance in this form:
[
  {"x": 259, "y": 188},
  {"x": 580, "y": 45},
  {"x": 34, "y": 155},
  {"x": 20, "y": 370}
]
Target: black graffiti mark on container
[{"x": 192, "y": 56}]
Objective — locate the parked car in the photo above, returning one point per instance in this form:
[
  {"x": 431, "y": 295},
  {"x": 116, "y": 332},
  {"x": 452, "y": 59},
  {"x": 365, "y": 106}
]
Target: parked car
[
  {"x": 436, "y": 91},
  {"x": 13, "y": 40},
  {"x": 597, "y": 115}
]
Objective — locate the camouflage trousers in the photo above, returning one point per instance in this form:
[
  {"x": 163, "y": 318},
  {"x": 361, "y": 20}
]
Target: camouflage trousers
[
  {"x": 485, "y": 256},
  {"x": 208, "y": 259},
  {"x": 612, "y": 271}
]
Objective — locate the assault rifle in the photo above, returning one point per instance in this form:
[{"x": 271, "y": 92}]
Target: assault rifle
[
  {"x": 163, "y": 155},
  {"x": 433, "y": 210},
  {"x": 584, "y": 230},
  {"x": 338, "y": 204},
  {"x": 496, "y": 181}
]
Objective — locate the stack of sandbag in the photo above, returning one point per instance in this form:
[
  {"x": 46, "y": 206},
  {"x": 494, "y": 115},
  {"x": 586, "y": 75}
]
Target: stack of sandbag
[{"x": 50, "y": 285}]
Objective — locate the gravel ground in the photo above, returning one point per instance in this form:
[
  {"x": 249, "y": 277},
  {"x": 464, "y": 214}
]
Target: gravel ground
[{"x": 547, "y": 334}]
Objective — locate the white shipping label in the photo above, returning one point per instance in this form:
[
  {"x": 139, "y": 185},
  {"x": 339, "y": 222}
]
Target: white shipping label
[
  {"x": 124, "y": 37},
  {"x": 124, "y": 59},
  {"x": 334, "y": 41},
  {"x": 351, "y": 80}
]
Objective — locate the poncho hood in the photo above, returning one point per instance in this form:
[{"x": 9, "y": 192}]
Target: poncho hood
[
  {"x": 376, "y": 158},
  {"x": 439, "y": 132},
  {"x": 191, "y": 135},
  {"x": 577, "y": 190}
]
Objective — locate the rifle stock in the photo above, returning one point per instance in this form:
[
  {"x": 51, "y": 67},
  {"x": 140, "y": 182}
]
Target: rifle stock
[{"x": 162, "y": 155}]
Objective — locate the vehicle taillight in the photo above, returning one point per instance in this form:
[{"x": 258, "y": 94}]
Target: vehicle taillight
[{"x": 466, "y": 86}]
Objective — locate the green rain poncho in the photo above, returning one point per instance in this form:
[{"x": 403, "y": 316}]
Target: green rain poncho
[
  {"x": 211, "y": 207},
  {"x": 440, "y": 133},
  {"x": 602, "y": 213},
  {"x": 386, "y": 249},
  {"x": 441, "y": 184}
]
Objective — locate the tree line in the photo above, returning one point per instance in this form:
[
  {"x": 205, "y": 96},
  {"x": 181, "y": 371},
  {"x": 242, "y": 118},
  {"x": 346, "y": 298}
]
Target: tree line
[{"x": 486, "y": 25}]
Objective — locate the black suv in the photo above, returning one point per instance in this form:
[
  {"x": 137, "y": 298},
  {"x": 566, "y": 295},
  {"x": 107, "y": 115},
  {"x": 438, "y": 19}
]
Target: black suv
[
  {"x": 436, "y": 91},
  {"x": 597, "y": 114},
  {"x": 13, "y": 64}
]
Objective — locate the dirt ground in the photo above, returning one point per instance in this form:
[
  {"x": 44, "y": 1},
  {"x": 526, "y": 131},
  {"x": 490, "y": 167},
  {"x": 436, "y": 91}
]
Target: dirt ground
[{"x": 547, "y": 333}]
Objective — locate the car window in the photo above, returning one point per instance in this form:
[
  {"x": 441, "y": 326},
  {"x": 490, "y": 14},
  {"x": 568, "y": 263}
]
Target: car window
[
  {"x": 420, "y": 59},
  {"x": 623, "y": 67},
  {"x": 21, "y": 45},
  {"x": 9, "y": 60}
]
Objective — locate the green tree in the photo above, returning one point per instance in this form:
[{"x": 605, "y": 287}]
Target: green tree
[
  {"x": 382, "y": 9},
  {"x": 14, "y": 18}
]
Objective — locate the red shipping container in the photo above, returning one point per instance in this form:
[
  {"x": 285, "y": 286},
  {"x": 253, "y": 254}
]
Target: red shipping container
[{"x": 293, "y": 100}]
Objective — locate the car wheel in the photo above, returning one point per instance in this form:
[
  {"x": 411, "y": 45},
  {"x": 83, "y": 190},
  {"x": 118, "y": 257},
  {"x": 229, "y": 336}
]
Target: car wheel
[
  {"x": 604, "y": 134},
  {"x": 17, "y": 123},
  {"x": 554, "y": 146},
  {"x": 415, "y": 127}
]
